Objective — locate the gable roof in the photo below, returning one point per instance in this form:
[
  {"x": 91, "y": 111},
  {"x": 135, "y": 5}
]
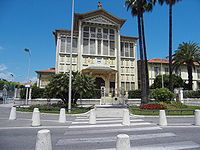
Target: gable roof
[{"x": 98, "y": 12}]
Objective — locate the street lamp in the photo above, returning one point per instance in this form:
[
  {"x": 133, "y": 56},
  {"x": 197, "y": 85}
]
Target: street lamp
[
  {"x": 28, "y": 73},
  {"x": 70, "y": 68}
]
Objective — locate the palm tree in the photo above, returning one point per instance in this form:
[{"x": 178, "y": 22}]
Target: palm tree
[
  {"x": 187, "y": 53},
  {"x": 170, "y": 3},
  {"x": 138, "y": 7}
]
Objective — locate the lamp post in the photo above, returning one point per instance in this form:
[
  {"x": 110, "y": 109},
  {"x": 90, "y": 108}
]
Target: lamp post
[
  {"x": 70, "y": 68},
  {"x": 28, "y": 73}
]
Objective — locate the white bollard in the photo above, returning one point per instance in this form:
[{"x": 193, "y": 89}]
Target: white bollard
[
  {"x": 34, "y": 110},
  {"x": 197, "y": 118},
  {"x": 12, "y": 113},
  {"x": 62, "y": 116},
  {"x": 162, "y": 118},
  {"x": 123, "y": 142},
  {"x": 43, "y": 141},
  {"x": 36, "y": 119},
  {"x": 92, "y": 119},
  {"x": 126, "y": 117}
]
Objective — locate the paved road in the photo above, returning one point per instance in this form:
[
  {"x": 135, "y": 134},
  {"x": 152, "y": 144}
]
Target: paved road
[{"x": 77, "y": 134}]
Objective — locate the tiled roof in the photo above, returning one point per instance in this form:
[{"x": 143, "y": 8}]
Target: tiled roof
[
  {"x": 47, "y": 70},
  {"x": 157, "y": 60}
]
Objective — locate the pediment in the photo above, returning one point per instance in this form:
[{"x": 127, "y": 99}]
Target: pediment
[{"x": 99, "y": 20}]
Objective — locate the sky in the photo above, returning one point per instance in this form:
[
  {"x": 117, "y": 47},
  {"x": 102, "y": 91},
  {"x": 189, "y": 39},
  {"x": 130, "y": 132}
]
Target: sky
[{"x": 30, "y": 23}]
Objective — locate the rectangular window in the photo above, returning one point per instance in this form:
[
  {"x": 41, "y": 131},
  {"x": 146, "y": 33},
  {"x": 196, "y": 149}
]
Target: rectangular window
[
  {"x": 132, "y": 85},
  {"x": 112, "y": 48},
  {"x": 112, "y": 37},
  {"x": 131, "y": 50},
  {"x": 92, "y": 46},
  {"x": 99, "y": 47},
  {"x": 127, "y": 86},
  {"x": 112, "y": 31},
  {"x": 86, "y": 28},
  {"x": 105, "y": 30},
  {"x": 62, "y": 45},
  {"x": 166, "y": 70},
  {"x": 156, "y": 71},
  {"x": 105, "y": 47},
  {"x": 122, "y": 49},
  {"x": 85, "y": 46},
  {"x": 126, "y": 50},
  {"x": 74, "y": 44},
  {"x": 198, "y": 73},
  {"x": 92, "y": 29},
  {"x": 68, "y": 44},
  {"x": 123, "y": 85}
]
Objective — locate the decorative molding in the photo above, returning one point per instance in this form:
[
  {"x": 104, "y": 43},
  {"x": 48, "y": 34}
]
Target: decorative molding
[{"x": 99, "y": 20}]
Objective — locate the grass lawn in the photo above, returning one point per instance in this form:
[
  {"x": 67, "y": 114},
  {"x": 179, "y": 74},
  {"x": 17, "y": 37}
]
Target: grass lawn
[
  {"x": 54, "y": 109},
  {"x": 171, "y": 110}
]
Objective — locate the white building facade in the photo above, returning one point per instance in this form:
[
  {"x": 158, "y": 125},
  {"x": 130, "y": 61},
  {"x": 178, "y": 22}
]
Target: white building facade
[
  {"x": 161, "y": 66},
  {"x": 99, "y": 50}
]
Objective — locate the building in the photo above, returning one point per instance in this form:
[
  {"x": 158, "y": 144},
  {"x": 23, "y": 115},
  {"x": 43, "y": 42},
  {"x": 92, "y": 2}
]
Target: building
[
  {"x": 99, "y": 50},
  {"x": 161, "y": 66},
  {"x": 43, "y": 77}
]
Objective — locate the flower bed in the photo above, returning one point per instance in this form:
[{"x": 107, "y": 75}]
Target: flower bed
[{"x": 153, "y": 107}]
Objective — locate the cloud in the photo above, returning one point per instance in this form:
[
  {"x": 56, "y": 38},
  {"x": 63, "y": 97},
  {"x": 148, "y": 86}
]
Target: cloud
[
  {"x": 7, "y": 76},
  {"x": 2, "y": 67}
]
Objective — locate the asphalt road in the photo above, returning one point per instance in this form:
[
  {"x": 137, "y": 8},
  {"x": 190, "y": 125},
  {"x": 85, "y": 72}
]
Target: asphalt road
[{"x": 77, "y": 134}]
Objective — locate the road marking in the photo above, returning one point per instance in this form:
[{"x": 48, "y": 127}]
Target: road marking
[
  {"x": 165, "y": 146},
  {"x": 107, "y": 125},
  {"x": 99, "y": 119},
  {"x": 111, "y": 130},
  {"x": 106, "y": 121},
  {"x": 111, "y": 139}
]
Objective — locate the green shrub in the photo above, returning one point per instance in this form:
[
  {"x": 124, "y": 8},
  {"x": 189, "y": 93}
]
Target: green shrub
[
  {"x": 191, "y": 94},
  {"x": 134, "y": 94},
  {"x": 162, "y": 95}
]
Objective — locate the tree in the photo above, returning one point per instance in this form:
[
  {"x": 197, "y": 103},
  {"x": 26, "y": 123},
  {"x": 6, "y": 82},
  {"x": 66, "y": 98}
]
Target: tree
[
  {"x": 187, "y": 53},
  {"x": 176, "y": 80},
  {"x": 58, "y": 87},
  {"x": 138, "y": 7},
  {"x": 170, "y": 3}
]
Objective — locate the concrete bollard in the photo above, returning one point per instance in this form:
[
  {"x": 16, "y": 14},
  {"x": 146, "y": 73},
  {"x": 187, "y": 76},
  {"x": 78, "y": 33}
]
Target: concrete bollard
[
  {"x": 126, "y": 117},
  {"x": 123, "y": 142},
  {"x": 162, "y": 118},
  {"x": 12, "y": 113},
  {"x": 92, "y": 119},
  {"x": 197, "y": 118},
  {"x": 43, "y": 141},
  {"x": 62, "y": 116},
  {"x": 36, "y": 118},
  {"x": 34, "y": 110}
]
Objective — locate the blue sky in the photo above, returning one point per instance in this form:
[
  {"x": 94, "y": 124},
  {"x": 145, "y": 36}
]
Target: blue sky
[{"x": 30, "y": 23}]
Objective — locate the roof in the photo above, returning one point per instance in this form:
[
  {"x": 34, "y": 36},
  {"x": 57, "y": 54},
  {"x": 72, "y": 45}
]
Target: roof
[
  {"x": 157, "y": 60},
  {"x": 98, "y": 12},
  {"x": 51, "y": 70}
]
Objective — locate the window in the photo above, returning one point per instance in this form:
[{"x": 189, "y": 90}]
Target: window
[
  {"x": 105, "y": 47},
  {"x": 127, "y": 86},
  {"x": 123, "y": 85},
  {"x": 68, "y": 44},
  {"x": 112, "y": 48},
  {"x": 198, "y": 73},
  {"x": 62, "y": 46},
  {"x": 132, "y": 85},
  {"x": 92, "y": 29},
  {"x": 74, "y": 44},
  {"x": 85, "y": 46},
  {"x": 131, "y": 50},
  {"x": 122, "y": 49},
  {"x": 166, "y": 70},
  {"x": 178, "y": 72},
  {"x": 126, "y": 50},
  {"x": 156, "y": 71},
  {"x": 92, "y": 46},
  {"x": 99, "y": 47}
]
